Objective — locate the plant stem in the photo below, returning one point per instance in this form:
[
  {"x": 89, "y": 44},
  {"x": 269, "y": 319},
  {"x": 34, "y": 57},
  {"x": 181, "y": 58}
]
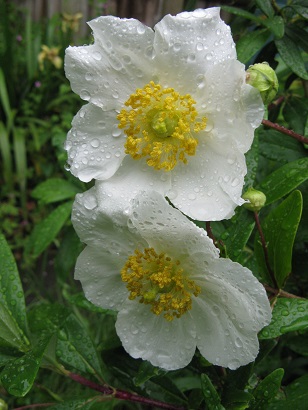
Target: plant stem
[
  {"x": 285, "y": 131},
  {"x": 264, "y": 246},
  {"x": 121, "y": 394},
  {"x": 281, "y": 292}
]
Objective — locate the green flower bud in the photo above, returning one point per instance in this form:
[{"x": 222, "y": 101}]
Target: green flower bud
[
  {"x": 263, "y": 77},
  {"x": 256, "y": 199},
  {"x": 3, "y": 405}
]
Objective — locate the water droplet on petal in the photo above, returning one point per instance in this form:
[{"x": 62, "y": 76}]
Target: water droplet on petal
[{"x": 95, "y": 143}]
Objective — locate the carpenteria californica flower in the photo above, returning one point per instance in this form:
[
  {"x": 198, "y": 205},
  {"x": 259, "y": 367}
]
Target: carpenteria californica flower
[
  {"x": 168, "y": 107},
  {"x": 171, "y": 290}
]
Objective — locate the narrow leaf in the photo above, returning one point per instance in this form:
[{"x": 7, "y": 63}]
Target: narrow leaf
[
  {"x": 18, "y": 375},
  {"x": 266, "y": 7},
  {"x": 279, "y": 229},
  {"x": 11, "y": 291},
  {"x": 210, "y": 394},
  {"x": 288, "y": 315},
  {"x": 250, "y": 44},
  {"x": 266, "y": 390},
  {"x": 55, "y": 190},
  {"x": 46, "y": 231},
  {"x": 284, "y": 180},
  {"x": 291, "y": 55}
]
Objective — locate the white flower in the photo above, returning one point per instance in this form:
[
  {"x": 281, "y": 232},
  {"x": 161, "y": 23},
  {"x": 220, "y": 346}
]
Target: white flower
[
  {"x": 165, "y": 278},
  {"x": 169, "y": 106}
]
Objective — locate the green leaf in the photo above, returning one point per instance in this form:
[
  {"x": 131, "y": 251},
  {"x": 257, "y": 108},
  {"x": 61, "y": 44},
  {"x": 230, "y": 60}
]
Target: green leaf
[
  {"x": 276, "y": 25},
  {"x": 18, "y": 375},
  {"x": 289, "y": 315},
  {"x": 299, "y": 344},
  {"x": 75, "y": 347},
  {"x": 295, "y": 112},
  {"x": 11, "y": 291},
  {"x": 298, "y": 35},
  {"x": 146, "y": 372},
  {"x": 11, "y": 335},
  {"x": 241, "y": 13},
  {"x": 278, "y": 148},
  {"x": 266, "y": 390},
  {"x": 296, "y": 396},
  {"x": 80, "y": 300},
  {"x": 70, "y": 248},
  {"x": 300, "y": 8},
  {"x": 46, "y": 231},
  {"x": 7, "y": 162},
  {"x": 20, "y": 156},
  {"x": 55, "y": 190},
  {"x": 284, "y": 180},
  {"x": 250, "y": 44},
  {"x": 86, "y": 404},
  {"x": 279, "y": 229},
  {"x": 210, "y": 394},
  {"x": 252, "y": 159},
  {"x": 291, "y": 55},
  {"x": 238, "y": 233},
  {"x": 266, "y": 7}
]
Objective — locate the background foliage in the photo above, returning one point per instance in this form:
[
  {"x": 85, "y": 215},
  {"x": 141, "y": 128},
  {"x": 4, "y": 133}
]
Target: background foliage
[{"x": 51, "y": 338}]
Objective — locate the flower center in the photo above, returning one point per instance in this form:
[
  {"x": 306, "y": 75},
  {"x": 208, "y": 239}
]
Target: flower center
[
  {"x": 160, "y": 125},
  {"x": 159, "y": 281}
]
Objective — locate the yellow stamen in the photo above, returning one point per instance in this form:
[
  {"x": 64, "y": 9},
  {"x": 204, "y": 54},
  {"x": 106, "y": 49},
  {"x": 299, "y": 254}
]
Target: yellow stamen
[
  {"x": 161, "y": 126},
  {"x": 159, "y": 281}
]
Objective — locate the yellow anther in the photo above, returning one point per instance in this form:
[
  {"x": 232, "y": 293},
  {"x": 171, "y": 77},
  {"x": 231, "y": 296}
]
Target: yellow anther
[
  {"x": 160, "y": 125},
  {"x": 159, "y": 281}
]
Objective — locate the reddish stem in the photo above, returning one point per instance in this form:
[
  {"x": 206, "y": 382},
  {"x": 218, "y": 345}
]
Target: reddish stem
[
  {"x": 285, "y": 131},
  {"x": 264, "y": 246},
  {"x": 121, "y": 394},
  {"x": 281, "y": 292}
]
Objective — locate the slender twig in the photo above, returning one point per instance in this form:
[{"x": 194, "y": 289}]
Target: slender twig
[
  {"x": 264, "y": 246},
  {"x": 281, "y": 292},
  {"x": 209, "y": 231},
  {"x": 121, "y": 394},
  {"x": 285, "y": 131},
  {"x": 34, "y": 406}
]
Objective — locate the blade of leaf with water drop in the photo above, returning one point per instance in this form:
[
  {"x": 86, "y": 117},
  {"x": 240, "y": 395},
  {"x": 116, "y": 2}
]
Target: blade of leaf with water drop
[
  {"x": 289, "y": 315},
  {"x": 279, "y": 229},
  {"x": 46, "y": 231},
  {"x": 76, "y": 349},
  {"x": 284, "y": 180},
  {"x": 266, "y": 390},
  {"x": 12, "y": 295},
  {"x": 210, "y": 394},
  {"x": 292, "y": 56},
  {"x": 18, "y": 375}
]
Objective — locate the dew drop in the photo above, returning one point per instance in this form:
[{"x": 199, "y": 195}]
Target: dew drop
[
  {"x": 140, "y": 29},
  {"x": 97, "y": 56},
  {"x": 95, "y": 143},
  {"x": 89, "y": 76},
  {"x": 85, "y": 95},
  {"x": 116, "y": 132}
]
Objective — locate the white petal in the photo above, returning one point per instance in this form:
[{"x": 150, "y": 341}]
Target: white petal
[
  {"x": 187, "y": 44},
  {"x": 132, "y": 176},
  {"x": 95, "y": 144},
  {"x": 99, "y": 274},
  {"x": 170, "y": 345},
  {"x": 99, "y": 223},
  {"x": 119, "y": 61},
  {"x": 230, "y": 310},
  {"x": 166, "y": 229},
  {"x": 209, "y": 187},
  {"x": 233, "y": 108}
]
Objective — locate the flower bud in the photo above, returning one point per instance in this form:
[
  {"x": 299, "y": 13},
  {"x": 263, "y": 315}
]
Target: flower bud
[
  {"x": 263, "y": 77},
  {"x": 3, "y": 405},
  {"x": 256, "y": 199}
]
